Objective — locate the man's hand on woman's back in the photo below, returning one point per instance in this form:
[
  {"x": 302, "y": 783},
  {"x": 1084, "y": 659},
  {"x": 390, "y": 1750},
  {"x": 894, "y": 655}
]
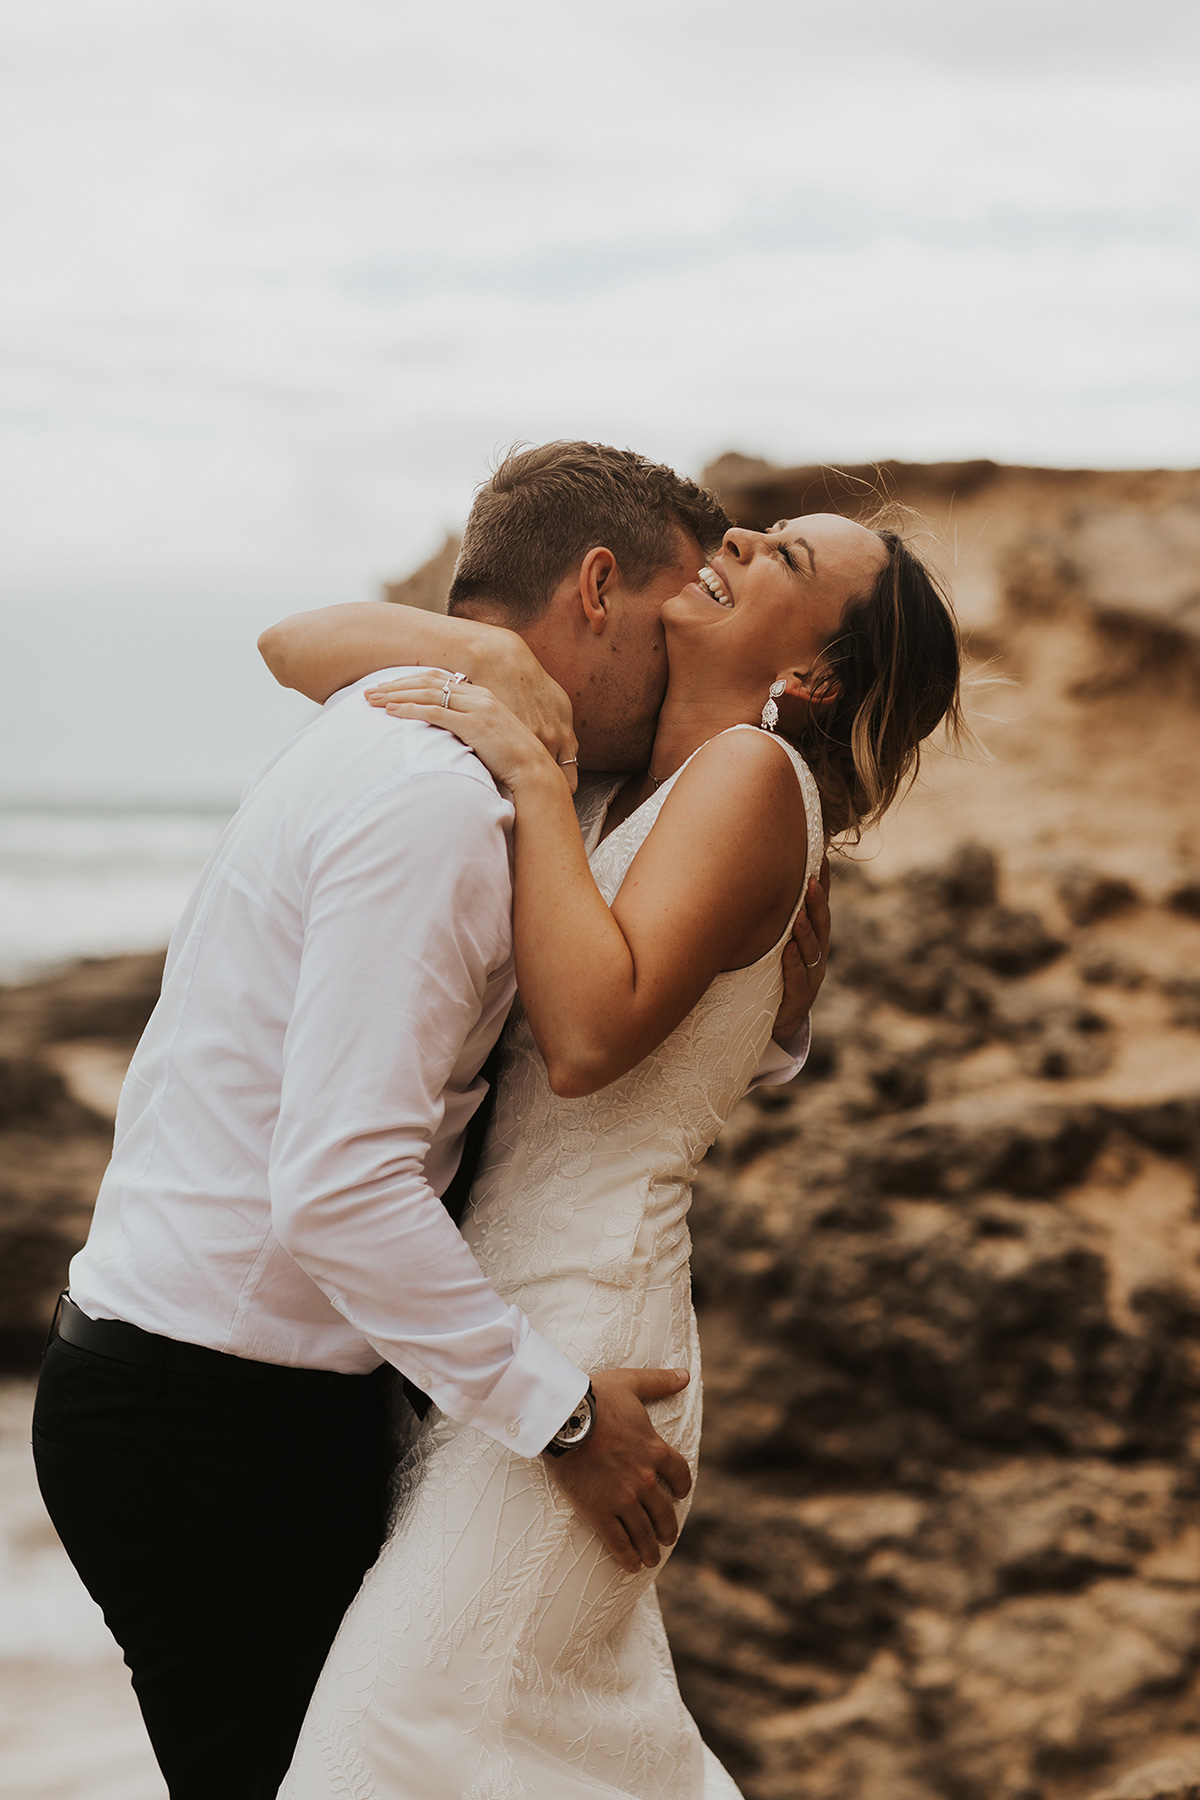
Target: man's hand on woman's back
[{"x": 805, "y": 958}]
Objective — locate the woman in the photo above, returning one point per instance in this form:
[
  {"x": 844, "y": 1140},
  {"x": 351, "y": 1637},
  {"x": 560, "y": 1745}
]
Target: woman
[{"x": 497, "y": 1648}]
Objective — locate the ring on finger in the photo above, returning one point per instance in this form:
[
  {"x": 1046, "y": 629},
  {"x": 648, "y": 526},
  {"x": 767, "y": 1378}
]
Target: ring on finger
[
  {"x": 813, "y": 965},
  {"x": 452, "y": 682}
]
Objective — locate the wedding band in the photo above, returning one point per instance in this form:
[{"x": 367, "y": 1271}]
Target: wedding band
[
  {"x": 565, "y": 761},
  {"x": 452, "y": 681},
  {"x": 812, "y": 965}
]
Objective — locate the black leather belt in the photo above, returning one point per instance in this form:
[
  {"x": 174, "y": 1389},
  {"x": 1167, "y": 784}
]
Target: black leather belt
[{"x": 130, "y": 1344}]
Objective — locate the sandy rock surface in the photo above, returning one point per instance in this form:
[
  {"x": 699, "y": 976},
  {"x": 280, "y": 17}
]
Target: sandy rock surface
[
  {"x": 946, "y": 1544},
  {"x": 1168, "y": 1778},
  {"x": 64, "y": 1044}
]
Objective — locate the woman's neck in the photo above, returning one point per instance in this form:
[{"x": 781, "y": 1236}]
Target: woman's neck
[{"x": 687, "y": 721}]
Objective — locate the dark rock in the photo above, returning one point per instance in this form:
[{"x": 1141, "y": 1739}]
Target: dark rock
[
  {"x": 1185, "y": 995},
  {"x": 28, "y": 1090},
  {"x": 1010, "y": 943},
  {"x": 979, "y": 1634},
  {"x": 109, "y": 998},
  {"x": 968, "y": 878},
  {"x": 1100, "y": 965},
  {"x": 900, "y": 1084},
  {"x": 1088, "y": 896},
  {"x": 941, "y": 1544},
  {"x": 1186, "y": 899},
  {"x": 47, "y": 1188},
  {"x": 33, "y": 1095},
  {"x": 1170, "y": 1126},
  {"x": 1057, "y": 1039},
  {"x": 1033, "y": 1154}
]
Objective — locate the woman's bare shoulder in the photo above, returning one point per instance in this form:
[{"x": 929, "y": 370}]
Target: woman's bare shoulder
[{"x": 748, "y": 770}]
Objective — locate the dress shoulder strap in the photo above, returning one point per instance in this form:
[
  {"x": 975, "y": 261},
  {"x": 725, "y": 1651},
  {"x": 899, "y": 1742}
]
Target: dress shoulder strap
[
  {"x": 812, "y": 802},
  {"x": 623, "y": 843}
]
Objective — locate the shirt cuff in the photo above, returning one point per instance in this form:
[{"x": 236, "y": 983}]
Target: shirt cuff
[
  {"x": 783, "y": 1062},
  {"x": 533, "y": 1399}
]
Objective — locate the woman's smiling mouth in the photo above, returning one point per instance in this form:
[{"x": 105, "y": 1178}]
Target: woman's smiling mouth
[{"x": 712, "y": 584}]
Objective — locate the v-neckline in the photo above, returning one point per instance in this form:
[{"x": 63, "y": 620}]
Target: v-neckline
[{"x": 662, "y": 787}]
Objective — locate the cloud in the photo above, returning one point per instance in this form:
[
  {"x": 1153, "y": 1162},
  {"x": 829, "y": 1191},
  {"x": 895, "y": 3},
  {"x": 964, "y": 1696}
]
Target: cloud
[{"x": 287, "y": 275}]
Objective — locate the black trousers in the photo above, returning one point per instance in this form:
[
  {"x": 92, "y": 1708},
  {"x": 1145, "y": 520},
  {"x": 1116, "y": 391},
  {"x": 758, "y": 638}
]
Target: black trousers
[{"x": 223, "y": 1523}]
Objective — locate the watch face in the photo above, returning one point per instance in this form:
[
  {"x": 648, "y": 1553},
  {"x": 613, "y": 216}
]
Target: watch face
[{"x": 578, "y": 1427}]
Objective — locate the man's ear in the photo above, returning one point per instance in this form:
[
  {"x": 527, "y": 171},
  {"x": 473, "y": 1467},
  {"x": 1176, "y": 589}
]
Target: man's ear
[{"x": 597, "y": 575}]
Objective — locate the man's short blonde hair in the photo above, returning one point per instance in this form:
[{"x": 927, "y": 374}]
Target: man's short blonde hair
[{"x": 545, "y": 508}]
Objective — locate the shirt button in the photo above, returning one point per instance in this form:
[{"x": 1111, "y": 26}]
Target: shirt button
[
  {"x": 423, "y": 1378},
  {"x": 514, "y": 1426}
]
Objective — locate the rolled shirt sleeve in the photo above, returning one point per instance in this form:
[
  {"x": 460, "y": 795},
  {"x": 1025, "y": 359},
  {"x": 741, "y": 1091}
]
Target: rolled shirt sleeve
[
  {"x": 783, "y": 1062},
  {"x": 407, "y": 919}
]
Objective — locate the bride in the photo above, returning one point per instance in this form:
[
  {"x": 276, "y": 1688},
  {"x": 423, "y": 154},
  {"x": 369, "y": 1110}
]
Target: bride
[{"x": 500, "y": 1650}]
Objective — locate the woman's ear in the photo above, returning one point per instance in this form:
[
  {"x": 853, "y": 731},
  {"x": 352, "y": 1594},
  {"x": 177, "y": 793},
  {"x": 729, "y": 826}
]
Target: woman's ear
[
  {"x": 596, "y": 573},
  {"x": 811, "y": 686}
]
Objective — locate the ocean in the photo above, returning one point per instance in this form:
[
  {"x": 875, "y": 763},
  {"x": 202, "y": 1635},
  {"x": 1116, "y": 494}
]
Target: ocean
[{"x": 96, "y": 881}]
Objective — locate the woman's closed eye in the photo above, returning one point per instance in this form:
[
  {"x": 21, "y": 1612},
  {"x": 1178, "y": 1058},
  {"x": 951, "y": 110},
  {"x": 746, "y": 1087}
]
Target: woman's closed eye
[{"x": 787, "y": 551}]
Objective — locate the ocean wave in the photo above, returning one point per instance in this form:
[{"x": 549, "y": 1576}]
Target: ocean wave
[{"x": 93, "y": 883}]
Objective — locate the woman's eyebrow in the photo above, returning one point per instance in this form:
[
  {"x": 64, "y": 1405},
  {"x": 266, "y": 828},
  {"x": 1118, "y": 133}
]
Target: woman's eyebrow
[{"x": 812, "y": 561}]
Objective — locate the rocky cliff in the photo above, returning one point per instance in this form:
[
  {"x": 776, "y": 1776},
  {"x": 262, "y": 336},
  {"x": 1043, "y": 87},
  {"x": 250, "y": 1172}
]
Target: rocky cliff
[
  {"x": 946, "y": 1543},
  {"x": 64, "y": 1044}
]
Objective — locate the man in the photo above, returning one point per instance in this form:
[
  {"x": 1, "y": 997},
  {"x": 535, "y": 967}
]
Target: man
[{"x": 212, "y": 1423}]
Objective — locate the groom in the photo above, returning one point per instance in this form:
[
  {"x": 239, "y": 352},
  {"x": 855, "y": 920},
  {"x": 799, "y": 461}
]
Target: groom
[{"x": 212, "y": 1432}]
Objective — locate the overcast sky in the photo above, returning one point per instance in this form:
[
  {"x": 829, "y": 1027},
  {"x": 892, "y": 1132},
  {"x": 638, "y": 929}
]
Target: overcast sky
[{"x": 281, "y": 276}]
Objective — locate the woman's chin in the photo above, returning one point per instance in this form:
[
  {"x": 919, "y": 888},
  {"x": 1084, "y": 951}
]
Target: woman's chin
[{"x": 690, "y": 610}]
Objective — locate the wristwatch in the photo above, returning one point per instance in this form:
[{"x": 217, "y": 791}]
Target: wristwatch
[{"x": 577, "y": 1429}]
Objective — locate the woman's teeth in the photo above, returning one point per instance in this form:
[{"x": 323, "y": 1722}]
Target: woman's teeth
[{"x": 710, "y": 581}]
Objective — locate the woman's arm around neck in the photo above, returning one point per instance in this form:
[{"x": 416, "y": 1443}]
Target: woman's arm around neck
[
  {"x": 322, "y": 651},
  {"x": 712, "y": 888}
]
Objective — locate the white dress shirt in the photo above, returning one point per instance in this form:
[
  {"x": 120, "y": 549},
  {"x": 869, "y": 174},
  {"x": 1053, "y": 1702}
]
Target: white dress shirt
[
  {"x": 297, "y": 1102},
  {"x": 298, "y": 1099}
]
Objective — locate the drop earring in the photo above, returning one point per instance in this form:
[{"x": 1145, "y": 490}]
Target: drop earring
[{"x": 770, "y": 712}]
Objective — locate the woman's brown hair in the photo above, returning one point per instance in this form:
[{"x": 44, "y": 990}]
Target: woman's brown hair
[{"x": 890, "y": 677}]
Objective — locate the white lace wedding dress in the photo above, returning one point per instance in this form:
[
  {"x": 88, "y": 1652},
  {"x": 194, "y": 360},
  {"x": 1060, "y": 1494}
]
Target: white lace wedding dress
[{"x": 496, "y": 1651}]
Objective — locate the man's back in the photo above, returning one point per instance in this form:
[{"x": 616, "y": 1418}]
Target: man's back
[{"x": 366, "y": 856}]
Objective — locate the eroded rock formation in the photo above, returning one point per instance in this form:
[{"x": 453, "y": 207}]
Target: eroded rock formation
[
  {"x": 64, "y": 1043},
  {"x": 946, "y": 1542}
]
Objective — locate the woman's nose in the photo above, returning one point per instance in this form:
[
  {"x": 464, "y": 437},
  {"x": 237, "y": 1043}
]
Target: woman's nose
[{"x": 739, "y": 543}]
